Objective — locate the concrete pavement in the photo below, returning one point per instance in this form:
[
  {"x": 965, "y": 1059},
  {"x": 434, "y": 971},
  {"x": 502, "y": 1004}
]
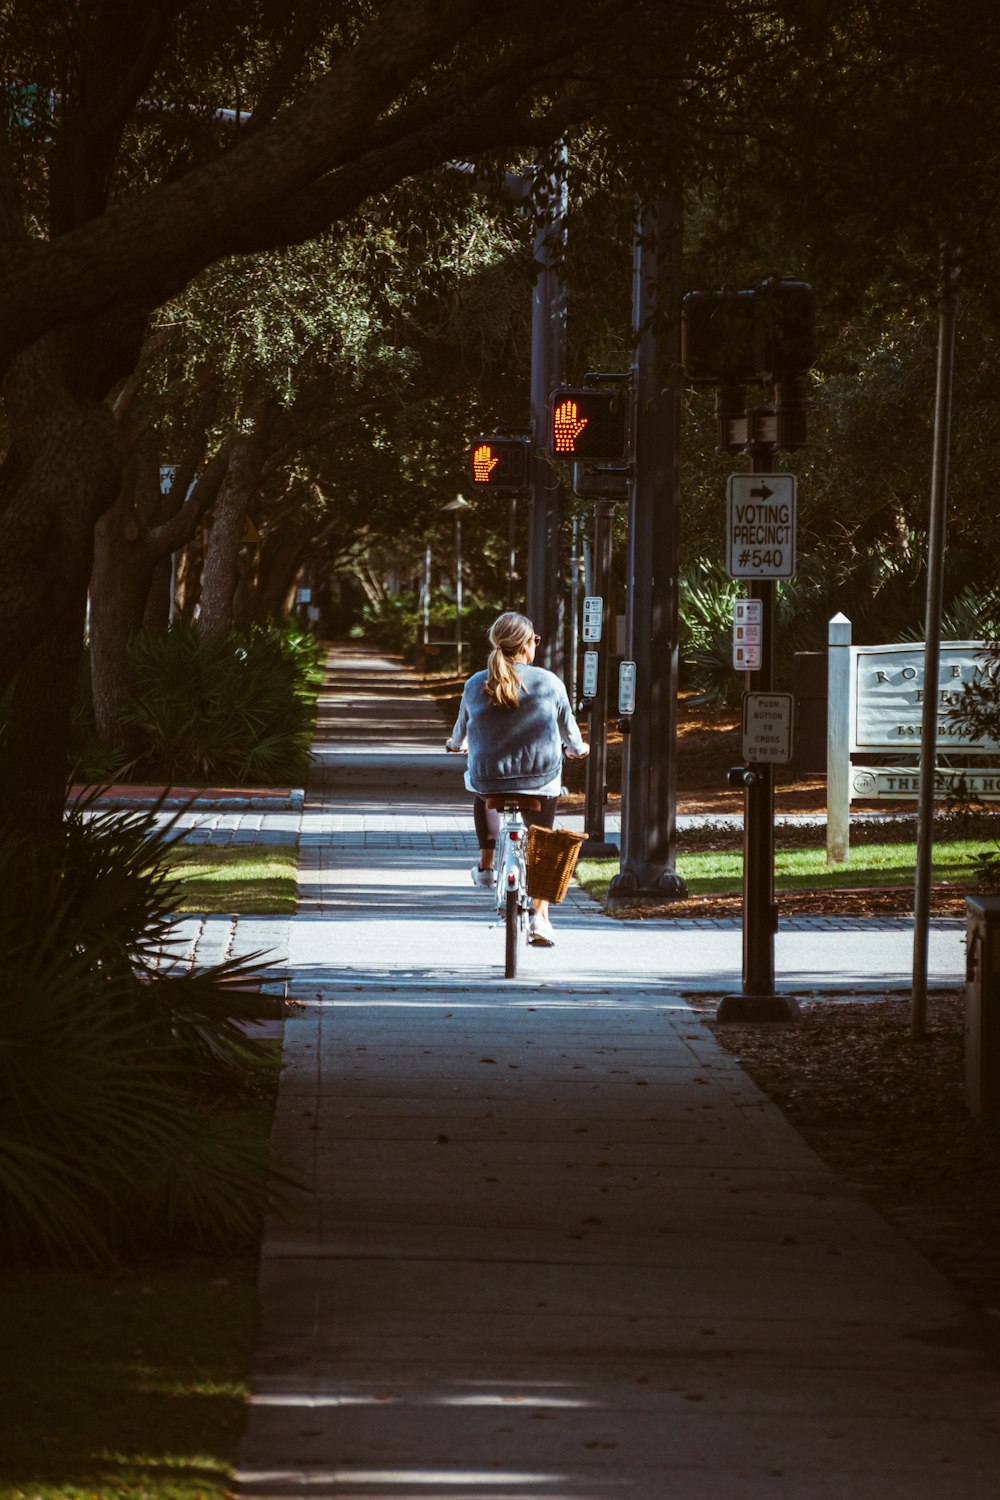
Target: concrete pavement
[{"x": 551, "y": 1241}]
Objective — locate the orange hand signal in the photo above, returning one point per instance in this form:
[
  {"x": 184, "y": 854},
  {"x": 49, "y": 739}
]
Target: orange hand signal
[
  {"x": 483, "y": 463},
  {"x": 567, "y": 426}
]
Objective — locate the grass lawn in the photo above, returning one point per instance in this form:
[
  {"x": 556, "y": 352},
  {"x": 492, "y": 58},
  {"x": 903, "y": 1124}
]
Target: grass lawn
[
  {"x": 131, "y": 1384},
  {"x": 123, "y": 1385},
  {"x": 259, "y": 880},
  {"x": 716, "y": 872}
]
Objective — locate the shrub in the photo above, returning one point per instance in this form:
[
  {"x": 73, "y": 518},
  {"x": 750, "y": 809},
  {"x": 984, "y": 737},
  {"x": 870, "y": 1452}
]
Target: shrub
[
  {"x": 110, "y": 1068},
  {"x": 706, "y": 634},
  {"x": 396, "y": 621},
  {"x": 237, "y": 709}
]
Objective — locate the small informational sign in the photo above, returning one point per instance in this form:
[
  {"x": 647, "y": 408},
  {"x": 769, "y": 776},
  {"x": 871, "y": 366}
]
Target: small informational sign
[
  {"x": 897, "y": 782},
  {"x": 748, "y": 629},
  {"x": 590, "y": 674},
  {"x": 767, "y": 728},
  {"x": 626, "y": 688},
  {"x": 303, "y": 596},
  {"x": 760, "y": 525},
  {"x": 593, "y": 617}
]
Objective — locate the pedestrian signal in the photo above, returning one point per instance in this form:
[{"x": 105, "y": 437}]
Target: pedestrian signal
[
  {"x": 499, "y": 463},
  {"x": 755, "y": 333},
  {"x": 587, "y": 423}
]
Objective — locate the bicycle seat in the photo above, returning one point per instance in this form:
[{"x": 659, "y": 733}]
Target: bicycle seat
[{"x": 513, "y": 802}]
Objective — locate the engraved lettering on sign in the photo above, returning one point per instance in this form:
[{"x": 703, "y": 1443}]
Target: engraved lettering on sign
[{"x": 889, "y": 693}]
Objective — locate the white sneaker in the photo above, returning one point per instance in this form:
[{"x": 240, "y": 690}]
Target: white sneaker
[
  {"x": 540, "y": 933},
  {"x": 486, "y": 879}
]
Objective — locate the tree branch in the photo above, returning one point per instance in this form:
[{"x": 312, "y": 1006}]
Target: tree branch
[{"x": 149, "y": 248}]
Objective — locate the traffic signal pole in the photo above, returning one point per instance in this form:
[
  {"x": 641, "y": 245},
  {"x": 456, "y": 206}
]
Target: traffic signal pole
[
  {"x": 760, "y": 911},
  {"x": 544, "y": 591},
  {"x": 758, "y": 1000},
  {"x": 544, "y": 565},
  {"x": 649, "y": 778},
  {"x": 596, "y": 843}
]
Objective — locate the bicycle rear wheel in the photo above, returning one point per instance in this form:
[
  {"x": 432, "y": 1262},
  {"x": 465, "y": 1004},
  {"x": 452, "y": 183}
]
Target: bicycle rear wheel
[{"x": 512, "y": 933}]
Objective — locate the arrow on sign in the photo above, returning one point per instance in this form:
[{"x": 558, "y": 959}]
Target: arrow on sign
[{"x": 762, "y": 492}]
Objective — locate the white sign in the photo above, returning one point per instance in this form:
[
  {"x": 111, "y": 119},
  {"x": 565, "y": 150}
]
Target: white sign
[
  {"x": 590, "y": 674},
  {"x": 748, "y": 632},
  {"x": 593, "y": 616},
  {"x": 760, "y": 525},
  {"x": 767, "y": 728},
  {"x": 303, "y": 596},
  {"x": 889, "y": 690},
  {"x": 626, "y": 688},
  {"x": 904, "y": 781}
]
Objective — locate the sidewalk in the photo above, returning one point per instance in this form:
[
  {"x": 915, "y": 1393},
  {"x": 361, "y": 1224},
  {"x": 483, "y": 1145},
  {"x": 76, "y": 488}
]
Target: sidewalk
[{"x": 552, "y": 1240}]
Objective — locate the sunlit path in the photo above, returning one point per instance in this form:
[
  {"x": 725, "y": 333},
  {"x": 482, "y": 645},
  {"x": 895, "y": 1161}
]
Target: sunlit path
[{"x": 551, "y": 1241}]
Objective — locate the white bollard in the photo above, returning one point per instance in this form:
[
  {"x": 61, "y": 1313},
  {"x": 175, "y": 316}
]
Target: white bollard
[{"x": 838, "y": 742}]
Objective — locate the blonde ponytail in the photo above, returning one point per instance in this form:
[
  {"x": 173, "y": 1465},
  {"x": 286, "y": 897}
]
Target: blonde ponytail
[{"x": 508, "y": 635}]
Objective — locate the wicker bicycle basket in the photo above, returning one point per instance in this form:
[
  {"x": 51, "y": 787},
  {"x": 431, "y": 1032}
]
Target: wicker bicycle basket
[{"x": 552, "y": 854}]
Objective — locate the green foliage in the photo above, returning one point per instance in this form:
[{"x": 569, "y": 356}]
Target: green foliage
[
  {"x": 396, "y": 621},
  {"x": 146, "y": 1400},
  {"x": 236, "y": 709},
  {"x": 706, "y": 634},
  {"x": 706, "y": 631},
  {"x": 882, "y": 594},
  {"x": 111, "y": 1067}
]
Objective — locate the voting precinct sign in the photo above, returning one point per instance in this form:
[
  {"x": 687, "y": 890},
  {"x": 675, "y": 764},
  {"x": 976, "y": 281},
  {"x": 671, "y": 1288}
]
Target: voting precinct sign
[{"x": 760, "y": 525}]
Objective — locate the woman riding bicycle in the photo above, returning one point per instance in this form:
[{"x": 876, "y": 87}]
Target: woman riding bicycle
[{"x": 516, "y": 722}]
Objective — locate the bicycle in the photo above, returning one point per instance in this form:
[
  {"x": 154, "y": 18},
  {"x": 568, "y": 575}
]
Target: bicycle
[{"x": 514, "y": 905}]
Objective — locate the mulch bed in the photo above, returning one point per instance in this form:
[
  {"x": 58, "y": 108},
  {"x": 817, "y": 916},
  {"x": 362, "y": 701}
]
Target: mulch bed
[
  {"x": 888, "y": 1113},
  {"x": 885, "y": 1111},
  {"x": 861, "y": 901}
]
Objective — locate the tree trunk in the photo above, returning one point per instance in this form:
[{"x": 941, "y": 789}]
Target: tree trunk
[
  {"x": 281, "y": 559},
  {"x": 36, "y": 765},
  {"x": 187, "y": 584},
  {"x": 119, "y": 589},
  {"x": 157, "y": 612},
  {"x": 67, "y": 469},
  {"x": 225, "y": 537}
]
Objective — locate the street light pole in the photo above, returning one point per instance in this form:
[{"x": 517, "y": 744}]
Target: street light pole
[
  {"x": 548, "y": 368},
  {"x": 457, "y": 506},
  {"x": 936, "y": 540},
  {"x": 427, "y": 597},
  {"x": 543, "y": 572}
]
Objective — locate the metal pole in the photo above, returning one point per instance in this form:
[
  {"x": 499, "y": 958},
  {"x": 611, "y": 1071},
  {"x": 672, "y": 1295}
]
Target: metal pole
[
  {"x": 574, "y": 614},
  {"x": 758, "y": 1000},
  {"x": 427, "y": 595},
  {"x": 597, "y": 762},
  {"x": 760, "y": 913},
  {"x": 649, "y": 783},
  {"x": 511, "y": 549},
  {"x": 548, "y": 364},
  {"x": 458, "y": 590},
  {"x": 936, "y": 542}
]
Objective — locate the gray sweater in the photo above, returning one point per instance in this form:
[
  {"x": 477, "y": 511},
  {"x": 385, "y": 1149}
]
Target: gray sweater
[{"x": 517, "y": 749}]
